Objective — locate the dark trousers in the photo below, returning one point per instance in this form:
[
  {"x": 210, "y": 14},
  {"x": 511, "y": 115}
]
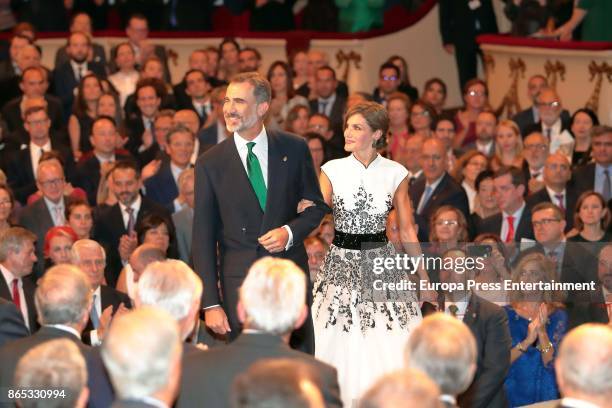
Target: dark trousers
[{"x": 466, "y": 57}]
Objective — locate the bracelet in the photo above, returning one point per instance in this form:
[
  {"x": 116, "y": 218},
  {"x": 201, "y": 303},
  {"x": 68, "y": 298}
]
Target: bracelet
[
  {"x": 546, "y": 349},
  {"x": 520, "y": 347}
]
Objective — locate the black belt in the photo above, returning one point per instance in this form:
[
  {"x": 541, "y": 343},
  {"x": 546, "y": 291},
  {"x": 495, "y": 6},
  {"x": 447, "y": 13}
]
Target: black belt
[{"x": 356, "y": 241}]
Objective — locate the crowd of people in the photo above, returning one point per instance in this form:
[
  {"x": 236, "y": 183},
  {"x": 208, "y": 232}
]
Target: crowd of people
[{"x": 132, "y": 208}]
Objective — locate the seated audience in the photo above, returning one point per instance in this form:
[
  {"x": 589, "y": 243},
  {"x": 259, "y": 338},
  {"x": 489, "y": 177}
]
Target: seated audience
[
  {"x": 434, "y": 93},
  {"x": 79, "y": 218},
  {"x": 476, "y": 100},
  {"x": 229, "y": 64},
  {"x": 55, "y": 364},
  {"x": 183, "y": 218},
  {"x": 316, "y": 145},
  {"x": 597, "y": 175},
  {"x": 17, "y": 258},
  {"x": 581, "y": 125},
  {"x": 495, "y": 270},
  {"x": 81, "y": 22},
  {"x": 142, "y": 355},
  {"x": 591, "y": 219},
  {"x": 583, "y": 366},
  {"x": 469, "y": 166},
  {"x": 486, "y": 125},
  {"x": 298, "y": 61},
  {"x": 151, "y": 70},
  {"x": 445, "y": 350},
  {"x": 508, "y": 146},
  {"x": 249, "y": 60},
  {"x": 537, "y": 323},
  {"x": 388, "y": 83},
  {"x": 124, "y": 80},
  {"x": 158, "y": 230},
  {"x": 526, "y": 118},
  {"x": 316, "y": 60},
  {"x": 197, "y": 95},
  {"x": 408, "y": 388},
  {"x": 266, "y": 334},
  {"x": 553, "y": 125},
  {"x": 187, "y": 118},
  {"x": 398, "y": 106},
  {"x": 329, "y": 102},
  {"x": 447, "y": 228},
  {"x": 58, "y": 242},
  {"x": 535, "y": 153},
  {"x": 214, "y": 131},
  {"x": 316, "y": 248},
  {"x": 63, "y": 299},
  {"x": 84, "y": 114},
  {"x": 485, "y": 203},
  {"x": 30, "y": 85},
  {"x": 405, "y": 85},
  {"x": 284, "y": 97},
  {"x": 444, "y": 130},
  {"x": 411, "y": 159},
  {"x": 297, "y": 122},
  {"x": 142, "y": 256},
  {"x": 149, "y": 93},
  {"x": 422, "y": 118}
]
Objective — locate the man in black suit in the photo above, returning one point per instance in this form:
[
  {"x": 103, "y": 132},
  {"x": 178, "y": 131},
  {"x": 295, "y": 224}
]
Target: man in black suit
[
  {"x": 557, "y": 173},
  {"x": 444, "y": 349},
  {"x": 22, "y": 166},
  {"x": 140, "y": 124},
  {"x": 269, "y": 312},
  {"x": 598, "y": 174},
  {"x": 513, "y": 223},
  {"x": 91, "y": 258},
  {"x": 238, "y": 203},
  {"x": 164, "y": 121},
  {"x": 115, "y": 226},
  {"x": 486, "y": 122},
  {"x": 33, "y": 84},
  {"x": 197, "y": 90},
  {"x": 460, "y": 23},
  {"x": 436, "y": 188},
  {"x": 17, "y": 258},
  {"x": 148, "y": 335},
  {"x": 63, "y": 298},
  {"x": 599, "y": 309},
  {"x": 216, "y": 132},
  {"x": 316, "y": 60},
  {"x": 332, "y": 105},
  {"x": 553, "y": 125},
  {"x": 28, "y": 57},
  {"x": 162, "y": 187},
  {"x": 12, "y": 326},
  {"x": 91, "y": 168},
  {"x": 9, "y": 67},
  {"x": 535, "y": 152},
  {"x": 81, "y": 22},
  {"x": 67, "y": 76},
  {"x": 583, "y": 367}
]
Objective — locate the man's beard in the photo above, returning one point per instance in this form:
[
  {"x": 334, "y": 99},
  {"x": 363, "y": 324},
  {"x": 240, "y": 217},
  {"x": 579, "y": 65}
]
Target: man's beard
[
  {"x": 80, "y": 60},
  {"x": 244, "y": 123}
]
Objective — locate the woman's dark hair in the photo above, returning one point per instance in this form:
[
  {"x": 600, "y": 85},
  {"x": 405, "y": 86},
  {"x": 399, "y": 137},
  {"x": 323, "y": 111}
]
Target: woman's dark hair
[
  {"x": 475, "y": 81},
  {"x": 80, "y": 105},
  {"x": 605, "y": 221},
  {"x": 484, "y": 175},
  {"x": 74, "y": 203},
  {"x": 405, "y": 79},
  {"x": 438, "y": 81},
  {"x": 152, "y": 221},
  {"x": 288, "y": 75},
  {"x": 10, "y": 194},
  {"x": 293, "y": 114},
  {"x": 588, "y": 112},
  {"x": 431, "y": 112},
  {"x": 228, "y": 40}
]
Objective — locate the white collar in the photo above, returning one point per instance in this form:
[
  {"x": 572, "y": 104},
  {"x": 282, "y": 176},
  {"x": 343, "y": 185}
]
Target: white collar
[
  {"x": 46, "y": 147},
  {"x": 104, "y": 160},
  {"x": 8, "y": 275},
  {"x": 50, "y": 204},
  {"x": 552, "y": 193},
  {"x": 517, "y": 214},
  {"x": 65, "y": 328},
  {"x": 135, "y": 205},
  {"x": 261, "y": 140}
]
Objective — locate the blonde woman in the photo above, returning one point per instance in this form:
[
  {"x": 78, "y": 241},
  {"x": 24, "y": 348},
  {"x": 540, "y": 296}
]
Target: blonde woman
[{"x": 508, "y": 146}]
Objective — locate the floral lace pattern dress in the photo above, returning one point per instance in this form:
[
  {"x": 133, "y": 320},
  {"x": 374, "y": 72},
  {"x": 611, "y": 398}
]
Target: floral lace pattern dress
[{"x": 356, "y": 330}]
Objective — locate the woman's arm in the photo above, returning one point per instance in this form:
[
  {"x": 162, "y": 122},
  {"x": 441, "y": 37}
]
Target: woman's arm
[
  {"x": 326, "y": 188},
  {"x": 74, "y": 131}
]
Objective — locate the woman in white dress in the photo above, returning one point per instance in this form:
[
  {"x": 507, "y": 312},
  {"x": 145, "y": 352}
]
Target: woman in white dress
[{"x": 360, "y": 331}]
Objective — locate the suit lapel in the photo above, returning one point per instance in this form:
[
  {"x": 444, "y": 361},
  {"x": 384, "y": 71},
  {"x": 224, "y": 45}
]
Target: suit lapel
[
  {"x": 277, "y": 175},
  {"x": 471, "y": 313}
]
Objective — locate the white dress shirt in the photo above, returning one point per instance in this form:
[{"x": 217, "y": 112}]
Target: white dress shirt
[
  {"x": 124, "y": 83},
  {"x": 97, "y": 304},
  {"x": 79, "y": 70},
  {"x": 35, "y": 154},
  {"x": 553, "y": 195},
  {"x": 56, "y": 210},
  {"x": 9, "y": 277},
  {"x": 135, "y": 206}
]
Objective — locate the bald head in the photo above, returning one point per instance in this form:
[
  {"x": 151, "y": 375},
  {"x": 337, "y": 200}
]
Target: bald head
[
  {"x": 549, "y": 106},
  {"x": 433, "y": 159},
  {"x": 144, "y": 255},
  {"x": 557, "y": 171},
  {"x": 584, "y": 364},
  {"x": 187, "y": 118}
]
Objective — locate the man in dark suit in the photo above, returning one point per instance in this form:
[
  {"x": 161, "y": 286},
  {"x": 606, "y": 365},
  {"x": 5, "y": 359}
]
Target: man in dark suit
[
  {"x": 557, "y": 173},
  {"x": 332, "y": 105},
  {"x": 266, "y": 335},
  {"x": 535, "y": 152},
  {"x": 597, "y": 175},
  {"x": 460, "y": 23},
  {"x": 216, "y": 132},
  {"x": 444, "y": 349},
  {"x": 91, "y": 258},
  {"x": 514, "y": 221},
  {"x": 12, "y": 326},
  {"x": 62, "y": 300},
  {"x": 140, "y": 124},
  {"x": 599, "y": 309},
  {"x": 144, "y": 334},
  {"x": 33, "y": 85},
  {"x": 436, "y": 188},
  {"x": 9, "y": 67},
  {"x": 22, "y": 166},
  {"x": 583, "y": 365},
  {"x": 316, "y": 60},
  {"x": 553, "y": 125},
  {"x": 81, "y": 22},
  {"x": 91, "y": 167},
  {"x": 163, "y": 186},
  {"x": 17, "y": 258},
  {"x": 197, "y": 91},
  {"x": 238, "y": 203},
  {"x": 486, "y": 122},
  {"x": 116, "y": 225},
  {"x": 66, "y": 77},
  {"x": 188, "y": 15}
]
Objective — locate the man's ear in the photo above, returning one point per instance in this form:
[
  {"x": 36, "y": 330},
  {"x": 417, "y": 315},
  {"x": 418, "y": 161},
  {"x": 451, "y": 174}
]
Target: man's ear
[{"x": 262, "y": 108}]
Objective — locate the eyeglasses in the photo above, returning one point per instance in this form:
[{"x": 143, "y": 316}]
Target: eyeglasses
[
  {"x": 421, "y": 113},
  {"x": 447, "y": 222},
  {"x": 536, "y": 147},
  {"x": 545, "y": 221},
  {"x": 553, "y": 104},
  {"x": 476, "y": 93},
  {"x": 555, "y": 166},
  {"x": 388, "y": 77},
  {"x": 38, "y": 122},
  {"x": 52, "y": 183}
]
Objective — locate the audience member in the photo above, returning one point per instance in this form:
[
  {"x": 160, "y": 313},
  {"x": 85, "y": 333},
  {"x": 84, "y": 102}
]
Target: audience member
[
  {"x": 591, "y": 220},
  {"x": 12, "y": 326},
  {"x": 444, "y": 130},
  {"x": 189, "y": 119},
  {"x": 553, "y": 125},
  {"x": 284, "y": 97},
  {"x": 157, "y": 229},
  {"x": 316, "y": 248},
  {"x": 249, "y": 60},
  {"x": 398, "y": 106},
  {"x": 581, "y": 124},
  {"x": 485, "y": 203},
  {"x": 434, "y": 93},
  {"x": 9, "y": 67},
  {"x": 316, "y": 60},
  {"x": 17, "y": 258},
  {"x": 149, "y": 93},
  {"x": 229, "y": 64},
  {"x": 13, "y": 87},
  {"x": 142, "y": 256},
  {"x": 486, "y": 124},
  {"x": 53, "y": 365},
  {"x": 298, "y": 61},
  {"x": 535, "y": 152},
  {"x": 197, "y": 94},
  {"x": 405, "y": 85},
  {"x": 268, "y": 322},
  {"x": 58, "y": 242},
  {"x": 79, "y": 218},
  {"x": 329, "y": 102},
  {"x": 466, "y": 172},
  {"x": 526, "y": 118},
  {"x": 508, "y": 146},
  {"x": 410, "y": 388},
  {"x": 84, "y": 113},
  {"x": 388, "y": 82},
  {"x": 422, "y": 118},
  {"x": 183, "y": 218},
  {"x": 215, "y": 130},
  {"x": 412, "y": 159},
  {"x": 495, "y": 269},
  {"x": 316, "y": 145},
  {"x": 297, "y": 122},
  {"x": 163, "y": 122},
  {"x": 597, "y": 175},
  {"x": 447, "y": 227},
  {"x": 125, "y": 78},
  {"x": 81, "y": 22},
  {"x": 476, "y": 100},
  {"x": 7, "y": 204}
]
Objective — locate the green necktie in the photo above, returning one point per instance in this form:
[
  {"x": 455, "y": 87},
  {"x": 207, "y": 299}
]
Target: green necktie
[{"x": 256, "y": 176}]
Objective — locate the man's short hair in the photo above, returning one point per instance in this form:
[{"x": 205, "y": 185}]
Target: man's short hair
[
  {"x": 104, "y": 117},
  {"x": 277, "y": 383},
  {"x": 516, "y": 175},
  {"x": 273, "y": 295},
  {"x": 170, "y": 285},
  {"x": 600, "y": 130},
  {"x": 55, "y": 364},
  {"x": 191, "y": 71},
  {"x": 549, "y": 206},
  {"x": 85, "y": 244},
  {"x": 253, "y": 50},
  {"x": 63, "y": 295},
  {"x": 139, "y": 351},
  {"x": 155, "y": 83},
  {"x": 261, "y": 86},
  {"x": 389, "y": 65},
  {"x": 408, "y": 388},
  {"x": 13, "y": 239},
  {"x": 444, "y": 348},
  {"x": 179, "y": 128},
  {"x": 33, "y": 68},
  {"x": 34, "y": 109},
  {"x": 126, "y": 165},
  {"x": 328, "y": 68}
]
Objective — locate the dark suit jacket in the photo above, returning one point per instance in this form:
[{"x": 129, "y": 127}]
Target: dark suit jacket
[
  {"x": 99, "y": 55},
  {"x": 20, "y": 174},
  {"x": 7, "y": 70},
  {"x": 12, "y": 326},
  {"x": 228, "y": 213},
  {"x": 336, "y": 144},
  {"x": 88, "y": 175},
  {"x": 458, "y": 22},
  {"x": 11, "y": 112},
  {"x": 162, "y": 188},
  {"x": 583, "y": 178},
  {"x": 110, "y": 228},
  {"x": 64, "y": 83},
  {"x": 108, "y": 297},
  {"x": 448, "y": 192},
  {"x": 493, "y": 225},
  {"x": 29, "y": 288},
  {"x": 526, "y": 121},
  {"x": 571, "y": 199},
  {"x": 13, "y": 351},
  {"x": 341, "y": 90},
  {"x": 208, "y": 377},
  {"x": 207, "y": 137}
]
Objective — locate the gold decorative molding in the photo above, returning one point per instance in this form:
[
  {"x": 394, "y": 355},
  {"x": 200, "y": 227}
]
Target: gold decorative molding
[
  {"x": 489, "y": 64},
  {"x": 554, "y": 70},
  {"x": 347, "y": 58},
  {"x": 510, "y": 103},
  {"x": 173, "y": 56},
  {"x": 597, "y": 73}
]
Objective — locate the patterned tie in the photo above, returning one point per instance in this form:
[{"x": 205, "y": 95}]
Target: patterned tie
[
  {"x": 60, "y": 219},
  {"x": 256, "y": 176},
  {"x": 16, "y": 296},
  {"x": 93, "y": 314},
  {"x": 131, "y": 220},
  {"x": 605, "y": 191},
  {"x": 425, "y": 199},
  {"x": 559, "y": 198},
  {"x": 510, "y": 234},
  {"x": 322, "y": 107}
]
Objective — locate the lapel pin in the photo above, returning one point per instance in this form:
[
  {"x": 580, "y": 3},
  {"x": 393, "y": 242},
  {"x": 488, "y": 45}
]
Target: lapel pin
[{"x": 284, "y": 158}]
